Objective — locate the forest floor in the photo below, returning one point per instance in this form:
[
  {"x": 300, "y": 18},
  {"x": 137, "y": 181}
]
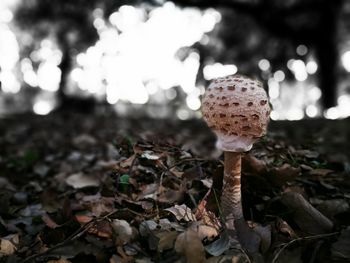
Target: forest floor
[{"x": 100, "y": 188}]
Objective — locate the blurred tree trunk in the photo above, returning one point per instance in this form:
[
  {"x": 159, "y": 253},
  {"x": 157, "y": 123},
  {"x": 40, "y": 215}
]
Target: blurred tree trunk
[
  {"x": 70, "y": 102},
  {"x": 326, "y": 49},
  {"x": 65, "y": 67}
]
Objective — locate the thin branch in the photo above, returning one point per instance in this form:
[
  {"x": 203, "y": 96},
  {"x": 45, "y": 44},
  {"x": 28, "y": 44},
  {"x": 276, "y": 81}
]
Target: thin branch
[{"x": 301, "y": 239}]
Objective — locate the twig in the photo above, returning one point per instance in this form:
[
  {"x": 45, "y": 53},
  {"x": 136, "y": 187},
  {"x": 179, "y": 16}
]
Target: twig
[
  {"x": 301, "y": 239},
  {"x": 245, "y": 254},
  {"x": 72, "y": 237},
  {"x": 219, "y": 206}
]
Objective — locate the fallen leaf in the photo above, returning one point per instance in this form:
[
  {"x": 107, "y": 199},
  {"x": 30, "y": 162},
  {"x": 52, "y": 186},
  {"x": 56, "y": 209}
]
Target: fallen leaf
[
  {"x": 247, "y": 237},
  {"x": 128, "y": 162},
  {"x": 49, "y": 222},
  {"x": 80, "y": 180},
  {"x": 219, "y": 246},
  {"x": 122, "y": 230},
  {"x": 208, "y": 182},
  {"x": 253, "y": 165},
  {"x": 166, "y": 240},
  {"x": 320, "y": 172},
  {"x": 146, "y": 227},
  {"x": 341, "y": 248},
  {"x": 149, "y": 155},
  {"x": 208, "y": 217},
  {"x": 83, "y": 219},
  {"x": 177, "y": 173},
  {"x": 331, "y": 208},
  {"x": 101, "y": 229},
  {"x": 305, "y": 167},
  {"x": 280, "y": 175},
  {"x": 189, "y": 245},
  {"x": 307, "y": 153},
  {"x": 165, "y": 224},
  {"x": 8, "y": 244},
  {"x": 171, "y": 196},
  {"x": 204, "y": 231},
  {"x": 148, "y": 191},
  {"x": 283, "y": 227},
  {"x": 182, "y": 212},
  {"x": 265, "y": 234}
]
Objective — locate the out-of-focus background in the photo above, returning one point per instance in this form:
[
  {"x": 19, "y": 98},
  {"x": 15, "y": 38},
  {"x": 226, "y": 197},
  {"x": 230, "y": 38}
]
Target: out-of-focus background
[{"x": 156, "y": 57}]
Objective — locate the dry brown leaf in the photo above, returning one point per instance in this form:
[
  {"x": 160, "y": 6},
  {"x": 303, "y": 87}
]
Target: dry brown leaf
[
  {"x": 265, "y": 234},
  {"x": 148, "y": 191},
  {"x": 341, "y": 248},
  {"x": 128, "y": 162},
  {"x": 331, "y": 208},
  {"x": 101, "y": 229},
  {"x": 182, "y": 212},
  {"x": 280, "y": 175},
  {"x": 101, "y": 206},
  {"x": 189, "y": 245},
  {"x": 320, "y": 172},
  {"x": 253, "y": 165},
  {"x": 83, "y": 219},
  {"x": 175, "y": 172},
  {"x": 150, "y": 155},
  {"x": 8, "y": 244},
  {"x": 284, "y": 228},
  {"x": 80, "y": 180},
  {"x": 49, "y": 221},
  {"x": 125, "y": 258},
  {"x": 171, "y": 196},
  {"x": 204, "y": 231},
  {"x": 166, "y": 240},
  {"x": 209, "y": 218},
  {"x": 286, "y": 170},
  {"x": 122, "y": 230}
]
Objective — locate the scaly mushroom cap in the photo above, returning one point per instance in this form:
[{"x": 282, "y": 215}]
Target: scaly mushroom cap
[{"x": 236, "y": 108}]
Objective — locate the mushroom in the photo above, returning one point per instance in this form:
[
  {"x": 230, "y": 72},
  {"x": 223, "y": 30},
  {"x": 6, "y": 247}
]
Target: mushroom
[{"x": 236, "y": 108}]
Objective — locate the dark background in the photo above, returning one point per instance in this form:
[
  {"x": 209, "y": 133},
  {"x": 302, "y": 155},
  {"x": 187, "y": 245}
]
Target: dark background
[{"x": 258, "y": 37}]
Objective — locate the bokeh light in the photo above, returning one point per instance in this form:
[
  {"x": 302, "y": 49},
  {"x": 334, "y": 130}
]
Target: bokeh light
[
  {"x": 218, "y": 70},
  {"x": 147, "y": 56}
]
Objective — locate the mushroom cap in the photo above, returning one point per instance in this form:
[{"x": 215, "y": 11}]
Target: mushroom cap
[{"x": 236, "y": 108}]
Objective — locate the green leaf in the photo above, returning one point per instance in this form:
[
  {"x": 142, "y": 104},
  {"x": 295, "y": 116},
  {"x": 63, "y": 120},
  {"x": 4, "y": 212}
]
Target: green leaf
[
  {"x": 124, "y": 182},
  {"x": 124, "y": 179}
]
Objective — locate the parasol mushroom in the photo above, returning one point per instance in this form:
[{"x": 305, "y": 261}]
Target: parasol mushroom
[{"x": 236, "y": 108}]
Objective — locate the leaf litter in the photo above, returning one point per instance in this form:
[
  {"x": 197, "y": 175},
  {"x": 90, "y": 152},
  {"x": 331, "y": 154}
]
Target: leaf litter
[{"x": 150, "y": 192}]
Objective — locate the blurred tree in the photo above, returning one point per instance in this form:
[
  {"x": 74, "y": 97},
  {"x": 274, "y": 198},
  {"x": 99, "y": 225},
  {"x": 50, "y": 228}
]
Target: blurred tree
[
  {"x": 250, "y": 30},
  {"x": 69, "y": 23},
  {"x": 279, "y": 25}
]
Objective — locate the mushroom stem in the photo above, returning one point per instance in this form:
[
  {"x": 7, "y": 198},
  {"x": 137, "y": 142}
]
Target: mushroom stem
[{"x": 231, "y": 201}]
